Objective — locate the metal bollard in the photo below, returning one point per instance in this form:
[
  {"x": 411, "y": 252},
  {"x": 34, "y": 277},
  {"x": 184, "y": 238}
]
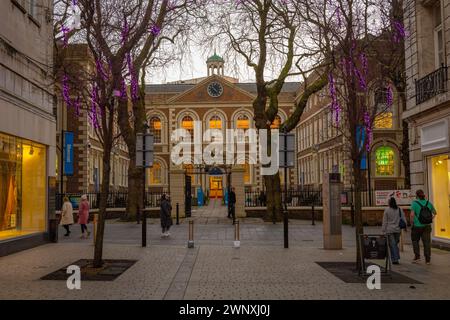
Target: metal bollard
[
  {"x": 178, "y": 213},
  {"x": 237, "y": 238},
  {"x": 191, "y": 234},
  {"x": 313, "y": 216}
]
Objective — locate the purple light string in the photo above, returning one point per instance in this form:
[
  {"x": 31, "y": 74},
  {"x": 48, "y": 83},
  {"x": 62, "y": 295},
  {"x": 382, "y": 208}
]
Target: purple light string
[
  {"x": 93, "y": 113},
  {"x": 155, "y": 30},
  {"x": 399, "y": 31},
  {"x": 335, "y": 107},
  {"x": 65, "y": 30},
  {"x": 66, "y": 93},
  {"x": 77, "y": 105},
  {"x": 133, "y": 79},
  {"x": 101, "y": 72},
  {"x": 368, "y": 126}
]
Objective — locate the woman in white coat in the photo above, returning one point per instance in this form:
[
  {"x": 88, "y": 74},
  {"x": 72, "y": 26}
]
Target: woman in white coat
[{"x": 67, "y": 215}]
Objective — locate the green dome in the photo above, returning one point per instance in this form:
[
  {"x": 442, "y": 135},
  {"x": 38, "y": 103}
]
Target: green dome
[{"x": 215, "y": 58}]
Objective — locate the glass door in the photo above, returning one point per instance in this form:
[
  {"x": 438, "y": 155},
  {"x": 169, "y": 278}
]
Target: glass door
[{"x": 440, "y": 194}]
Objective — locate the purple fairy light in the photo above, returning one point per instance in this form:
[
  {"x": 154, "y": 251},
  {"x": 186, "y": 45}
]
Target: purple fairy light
[
  {"x": 65, "y": 30},
  {"x": 125, "y": 32},
  {"x": 77, "y": 105},
  {"x": 133, "y": 79},
  {"x": 93, "y": 111},
  {"x": 399, "y": 31},
  {"x": 364, "y": 63},
  {"x": 101, "y": 72},
  {"x": 155, "y": 30},
  {"x": 335, "y": 107},
  {"x": 66, "y": 94},
  {"x": 368, "y": 126},
  {"x": 361, "y": 79}
]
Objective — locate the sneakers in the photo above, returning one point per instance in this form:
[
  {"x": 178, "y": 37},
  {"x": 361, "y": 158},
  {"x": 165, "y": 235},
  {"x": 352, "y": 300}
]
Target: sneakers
[
  {"x": 428, "y": 263},
  {"x": 167, "y": 234}
]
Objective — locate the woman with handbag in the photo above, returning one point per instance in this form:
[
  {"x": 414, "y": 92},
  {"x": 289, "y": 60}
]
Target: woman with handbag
[
  {"x": 67, "y": 215},
  {"x": 393, "y": 222}
]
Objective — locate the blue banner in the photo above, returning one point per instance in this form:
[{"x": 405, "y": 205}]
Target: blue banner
[
  {"x": 68, "y": 153},
  {"x": 199, "y": 197},
  {"x": 360, "y": 138}
]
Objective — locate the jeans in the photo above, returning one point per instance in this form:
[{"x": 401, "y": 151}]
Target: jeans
[
  {"x": 393, "y": 240},
  {"x": 423, "y": 233}
]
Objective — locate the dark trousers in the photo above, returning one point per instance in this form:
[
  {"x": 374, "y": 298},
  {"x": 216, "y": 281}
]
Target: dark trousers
[
  {"x": 423, "y": 233},
  {"x": 84, "y": 227},
  {"x": 165, "y": 229},
  {"x": 67, "y": 227},
  {"x": 231, "y": 212}
]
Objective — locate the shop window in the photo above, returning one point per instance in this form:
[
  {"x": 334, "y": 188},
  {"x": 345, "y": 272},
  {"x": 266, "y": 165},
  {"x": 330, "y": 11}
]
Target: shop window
[
  {"x": 155, "y": 129},
  {"x": 384, "y": 161},
  {"x": 22, "y": 187},
  {"x": 440, "y": 194}
]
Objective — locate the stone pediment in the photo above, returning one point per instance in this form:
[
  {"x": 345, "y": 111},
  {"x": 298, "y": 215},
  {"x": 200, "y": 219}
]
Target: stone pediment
[{"x": 199, "y": 93}]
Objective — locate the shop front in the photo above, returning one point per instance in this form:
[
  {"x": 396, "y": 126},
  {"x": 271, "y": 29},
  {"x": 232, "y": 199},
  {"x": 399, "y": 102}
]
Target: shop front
[
  {"x": 23, "y": 188},
  {"x": 435, "y": 147}
]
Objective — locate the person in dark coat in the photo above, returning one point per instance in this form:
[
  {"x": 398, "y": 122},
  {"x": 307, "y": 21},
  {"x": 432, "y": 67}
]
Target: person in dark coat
[
  {"x": 232, "y": 201},
  {"x": 262, "y": 199},
  {"x": 166, "y": 216}
]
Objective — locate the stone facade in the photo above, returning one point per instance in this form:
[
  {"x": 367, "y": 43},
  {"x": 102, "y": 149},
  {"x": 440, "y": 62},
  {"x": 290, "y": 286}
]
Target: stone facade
[{"x": 427, "y": 53}]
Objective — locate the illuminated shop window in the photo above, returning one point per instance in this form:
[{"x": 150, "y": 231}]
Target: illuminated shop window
[
  {"x": 439, "y": 181},
  {"x": 384, "y": 120},
  {"x": 155, "y": 129},
  {"x": 384, "y": 161}
]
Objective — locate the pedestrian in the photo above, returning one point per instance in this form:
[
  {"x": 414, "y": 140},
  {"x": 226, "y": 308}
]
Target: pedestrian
[
  {"x": 393, "y": 222},
  {"x": 83, "y": 217},
  {"x": 232, "y": 200},
  {"x": 262, "y": 199},
  {"x": 166, "y": 216},
  {"x": 422, "y": 214},
  {"x": 67, "y": 215}
]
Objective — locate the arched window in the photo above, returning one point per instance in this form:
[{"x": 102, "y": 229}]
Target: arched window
[
  {"x": 276, "y": 122},
  {"x": 188, "y": 123},
  {"x": 384, "y": 117},
  {"x": 384, "y": 161},
  {"x": 215, "y": 122},
  {"x": 242, "y": 122},
  {"x": 155, "y": 174},
  {"x": 155, "y": 128}
]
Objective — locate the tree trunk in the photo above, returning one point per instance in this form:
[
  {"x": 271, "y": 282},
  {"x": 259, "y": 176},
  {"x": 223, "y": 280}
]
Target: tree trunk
[
  {"x": 104, "y": 191},
  {"x": 359, "y": 229},
  {"x": 273, "y": 191},
  {"x": 135, "y": 191}
]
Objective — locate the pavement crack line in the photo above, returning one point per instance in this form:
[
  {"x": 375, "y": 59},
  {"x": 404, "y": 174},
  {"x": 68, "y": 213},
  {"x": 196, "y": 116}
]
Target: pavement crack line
[{"x": 182, "y": 277}]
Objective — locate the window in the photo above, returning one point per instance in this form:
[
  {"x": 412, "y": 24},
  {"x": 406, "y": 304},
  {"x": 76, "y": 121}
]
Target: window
[
  {"x": 276, "y": 122},
  {"x": 32, "y": 8},
  {"x": 155, "y": 174},
  {"x": 155, "y": 129},
  {"x": 242, "y": 122},
  {"x": 247, "y": 173},
  {"x": 215, "y": 122},
  {"x": 188, "y": 124},
  {"x": 384, "y": 117},
  {"x": 384, "y": 161},
  {"x": 438, "y": 36}
]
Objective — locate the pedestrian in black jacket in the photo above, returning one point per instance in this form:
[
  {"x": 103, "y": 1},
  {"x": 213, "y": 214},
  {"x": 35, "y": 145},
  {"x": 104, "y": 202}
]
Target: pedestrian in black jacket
[
  {"x": 232, "y": 201},
  {"x": 166, "y": 216}
]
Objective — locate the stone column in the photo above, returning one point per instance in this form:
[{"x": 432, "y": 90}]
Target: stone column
[
  {"x": 237, "y": 181},
  {"x": 332, "y": 216},
  {"x": 177, "y": 191}
]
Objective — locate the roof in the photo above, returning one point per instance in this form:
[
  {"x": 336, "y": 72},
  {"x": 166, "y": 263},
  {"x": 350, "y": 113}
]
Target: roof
[
  {"x": 215, "y": 58},
  {"x": 288, "y": 87}
]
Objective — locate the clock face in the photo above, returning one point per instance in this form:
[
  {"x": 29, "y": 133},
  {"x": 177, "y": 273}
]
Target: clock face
[{"x": 215, "y": 89}]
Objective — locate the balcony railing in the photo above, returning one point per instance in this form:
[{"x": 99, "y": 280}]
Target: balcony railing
[{"x": 431, "y": 85}]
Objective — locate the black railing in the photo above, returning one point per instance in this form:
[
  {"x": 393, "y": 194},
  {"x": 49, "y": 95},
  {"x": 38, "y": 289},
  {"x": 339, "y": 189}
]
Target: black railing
[
  {"x": 431, "y": 85},
  {"x": 114, "y": 200}
]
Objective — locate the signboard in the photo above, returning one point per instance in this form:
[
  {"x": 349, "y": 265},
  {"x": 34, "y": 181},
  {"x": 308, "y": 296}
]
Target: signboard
[
  {"x": 144, "y": 150},
  {"x": 287, "y": 150},
  {"x": 375, "y": 247},
  {"x": 68, "y": 153},
  {"x": 75, "y": 201},
  {"x": 402, "y": 197},
  {"x": 360, "y": 139}
]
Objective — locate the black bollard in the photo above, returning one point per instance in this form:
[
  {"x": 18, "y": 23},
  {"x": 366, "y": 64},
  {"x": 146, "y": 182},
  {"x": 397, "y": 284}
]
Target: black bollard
[
  {"x": 178, "y": 213},
  {"x": 313, "y": 216}
]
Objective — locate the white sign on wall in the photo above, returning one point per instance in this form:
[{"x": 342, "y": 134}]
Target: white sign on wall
[{"x": 403, "y": 197}]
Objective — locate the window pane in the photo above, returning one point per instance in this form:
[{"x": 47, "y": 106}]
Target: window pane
[
  {"x": 155, "y": 129},
  {"x": 384, "y": 161},
  {"x": 215, "y": 123},
  {"x": 383, "y": 121}
]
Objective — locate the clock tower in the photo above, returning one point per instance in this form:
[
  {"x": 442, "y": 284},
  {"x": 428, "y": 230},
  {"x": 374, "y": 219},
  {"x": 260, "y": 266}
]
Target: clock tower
[{"x": 215, "y": 65}]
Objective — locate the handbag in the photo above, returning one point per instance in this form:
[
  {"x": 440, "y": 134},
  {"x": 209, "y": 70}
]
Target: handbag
[{"x": 402, "y": 223}]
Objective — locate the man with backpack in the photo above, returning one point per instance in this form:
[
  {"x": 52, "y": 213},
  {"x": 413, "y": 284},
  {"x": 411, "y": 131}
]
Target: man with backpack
[{"x": 422, "y": 214}]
